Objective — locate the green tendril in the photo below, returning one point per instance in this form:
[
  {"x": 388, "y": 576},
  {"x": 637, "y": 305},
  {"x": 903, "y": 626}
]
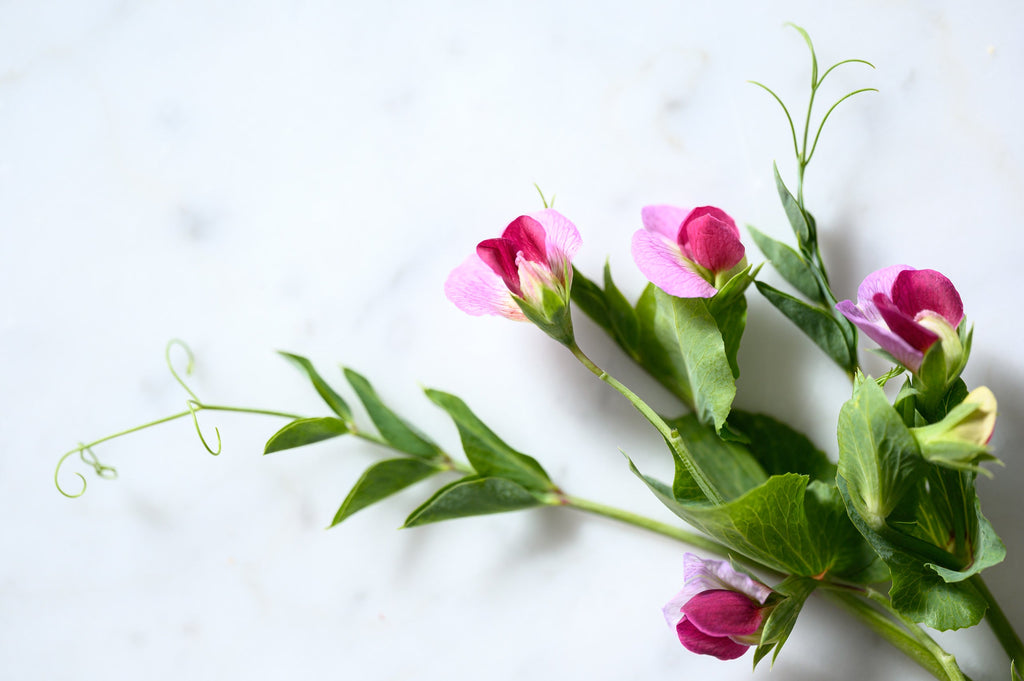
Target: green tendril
[
  {"x": 789, "y": 119},
  {"x": 547, "y": 204},
  {"x": 829, "y": 113},
  {"x": 188, "y": 367},
  {"x": 195, "y": 406}
]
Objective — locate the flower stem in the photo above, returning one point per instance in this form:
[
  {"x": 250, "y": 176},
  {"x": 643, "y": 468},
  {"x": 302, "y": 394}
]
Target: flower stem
[
  {"x": 671, "y": 436},
  {"x": 1001, "y": 627}
]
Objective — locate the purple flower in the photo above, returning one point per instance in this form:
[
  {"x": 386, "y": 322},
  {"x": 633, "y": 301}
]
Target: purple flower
[
  {"x": 532, "y": 255},
  {"x": 719, "y": 612},
  {"x": 906, "y": 311},
  {"x": 689, "y": 254}
]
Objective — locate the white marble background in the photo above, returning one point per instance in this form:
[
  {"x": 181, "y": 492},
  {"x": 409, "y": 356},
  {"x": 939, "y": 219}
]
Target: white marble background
[{"x": 302, "y": 175}]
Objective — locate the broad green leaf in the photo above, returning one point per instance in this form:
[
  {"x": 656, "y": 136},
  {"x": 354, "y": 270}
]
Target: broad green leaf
[
  {"x": 620, "y": 313},
  {"x": 662, "y": 361},
  {"x": 878, "y": 455},
  {"x": 588, "y": 297},
  {"x": 681, "y": 333},
  {"x": 728, "y": 465},
  {"x": 305, "y": 431},
  {"x": 487, "y": 453},
  {"x": 781, "y": 449},
  {"x": 472, "y": 496},
  {"x": 820, "y": 326},
  {"x": 989, "y": 550},
  {"x": 783, "y": 615},
  {"x": 333, "y": 399},
  {"x": 789, "y": 264},
  {"x": 398, "y": 433},
  {"x": 797, "y": 217},
  {"x": 381, "y": 480},
  {"x": 770, "y": 524}
]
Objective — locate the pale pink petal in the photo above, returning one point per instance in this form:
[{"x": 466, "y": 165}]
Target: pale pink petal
[
  {"x": 720, "y": 612},
  {"x": 702, "y": 575},
  {"x": 916, "y": 291},
  {"x": 477, "y": 290},
  {"x": 877, "y": 331},
  {"x": 663, "y": 264},
  {"x": 563, "y": 239},
  {"x": 880, "y": 281},
  {"x": 664, "y": 220},
  {"x": 696, "y": 641}
]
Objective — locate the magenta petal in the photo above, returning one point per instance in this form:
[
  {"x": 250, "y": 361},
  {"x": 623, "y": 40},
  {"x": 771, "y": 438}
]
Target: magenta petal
[
  {"x": 527, "y": 237},
  {"x": 915, "y": 291},
  {"x": 723, "y": 613},
  {"x": 880, "y": 281},
  {"x": 715, "y": 243},
  {"x": 663, "y": 264},
  {"x": 500, "y": 256},
  {"x": 664, "y": 220},
  {"x": 880, "y": 333},
  {"x": 477, "y": 290},
  {"x": 712, "y": 212},
  {"x": 696, "y": 641},
  {"x": 903, "y": 325}
]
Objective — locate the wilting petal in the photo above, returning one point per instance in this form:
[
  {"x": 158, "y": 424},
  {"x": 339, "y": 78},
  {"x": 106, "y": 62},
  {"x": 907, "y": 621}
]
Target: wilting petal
[
  {"x": 477, "y": 290},
  {"x": 563, "y": 239},
  {"x": 712, "y": 238},
  {"x": 917, "y": 291},
  {"x": 877, "y": 331},
  {"x": 703, "y": 575},
  {"x": 664, "y": 220},
  {"x": 696, "y": 641},
  {"x": 663, "y": 263},
  {"x": 723, "y": 613}
]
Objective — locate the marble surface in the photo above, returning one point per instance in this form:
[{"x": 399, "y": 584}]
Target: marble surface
[{"x": 302, "y": 175}]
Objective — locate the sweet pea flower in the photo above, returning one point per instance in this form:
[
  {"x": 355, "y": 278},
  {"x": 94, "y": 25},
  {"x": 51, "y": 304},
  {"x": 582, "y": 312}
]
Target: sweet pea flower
[
  {"x": 720, "y": 611},
  {"x": 960, "y": 440},
  {"x": 526, "y": 273},
  {"x": 906, "y": 311},
  {"x": 689, "y": 254}
]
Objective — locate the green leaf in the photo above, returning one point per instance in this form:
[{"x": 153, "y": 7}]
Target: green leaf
[
  {"x": 620, "y": 313},
  {"x": 782, "y": 618},
  {"x": 728, "y": 307},
  {"x": 488, "y": 455},
  {"x": 380, "y": 481},
  {"x": 398, "y": 433},
  {"x": 788, "y": 263},
  {"x": 781, "y": 449},
  {"x": 771, "y": 525},
  {"x": 472, "y": 496},
  {"x": 305, "y": 431},
  {"x": 588, "y": 297},
  {"x": 728, "y": 465},
  {"x": 332, "y": 398},
  {"x": 820, "y": 326},
  {"x": 679, "y": 335},
  {"x": 878, "y": 456},
  {"x": 797, "y": 218}
]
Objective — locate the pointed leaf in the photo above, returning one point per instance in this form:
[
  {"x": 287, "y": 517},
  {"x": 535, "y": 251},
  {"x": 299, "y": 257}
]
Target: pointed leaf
[
  {"x": 333, "y": 399},
  {"x": 782, "y": 619},
  {"x": 797, "y": 218},
  {"x": 472, "y": 496},
  {"x": 820, "y": 326},
  {"x": 398, "y": 433},
  {"x": 620, "y": 313},
  {"x": 380, "y": 481},
  {"x": 305, "y": 431},
  {"x": 728, "y": 465},
  {"x": 788, "y": 263},
  {"x": 588, "y": 297},
  {"x": 781, "y": 449},
  {"x": 728, "y": 307},
  {"x": 487, "y": 453}
]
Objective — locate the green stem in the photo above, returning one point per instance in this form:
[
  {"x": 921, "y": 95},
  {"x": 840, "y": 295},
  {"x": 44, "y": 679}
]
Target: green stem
[
  {"x": 671, "y": 436},
  {"x": 946, "y": 661},
  {"x": 1001, "y": 627},
  {"x": 887, "y": 629}
]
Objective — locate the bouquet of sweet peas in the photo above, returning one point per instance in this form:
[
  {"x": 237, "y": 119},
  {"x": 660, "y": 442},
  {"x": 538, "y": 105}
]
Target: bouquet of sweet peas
[{"x": 893, "y": 532}]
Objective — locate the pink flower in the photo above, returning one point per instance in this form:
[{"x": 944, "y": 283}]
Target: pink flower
[
  {"x": 720, "y": 611},
  {"x": 906, "y": 311},
  {"x": 689, "y": 254},
  {"x": 533, "y": 255}
]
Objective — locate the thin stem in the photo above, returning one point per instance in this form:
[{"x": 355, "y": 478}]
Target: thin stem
[
  {"x": 944, "y": 659},
  {"x": 887, "y": 629},
  {"x": 1001, "y": 627},
  {"x": 671, "y": 436}
]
